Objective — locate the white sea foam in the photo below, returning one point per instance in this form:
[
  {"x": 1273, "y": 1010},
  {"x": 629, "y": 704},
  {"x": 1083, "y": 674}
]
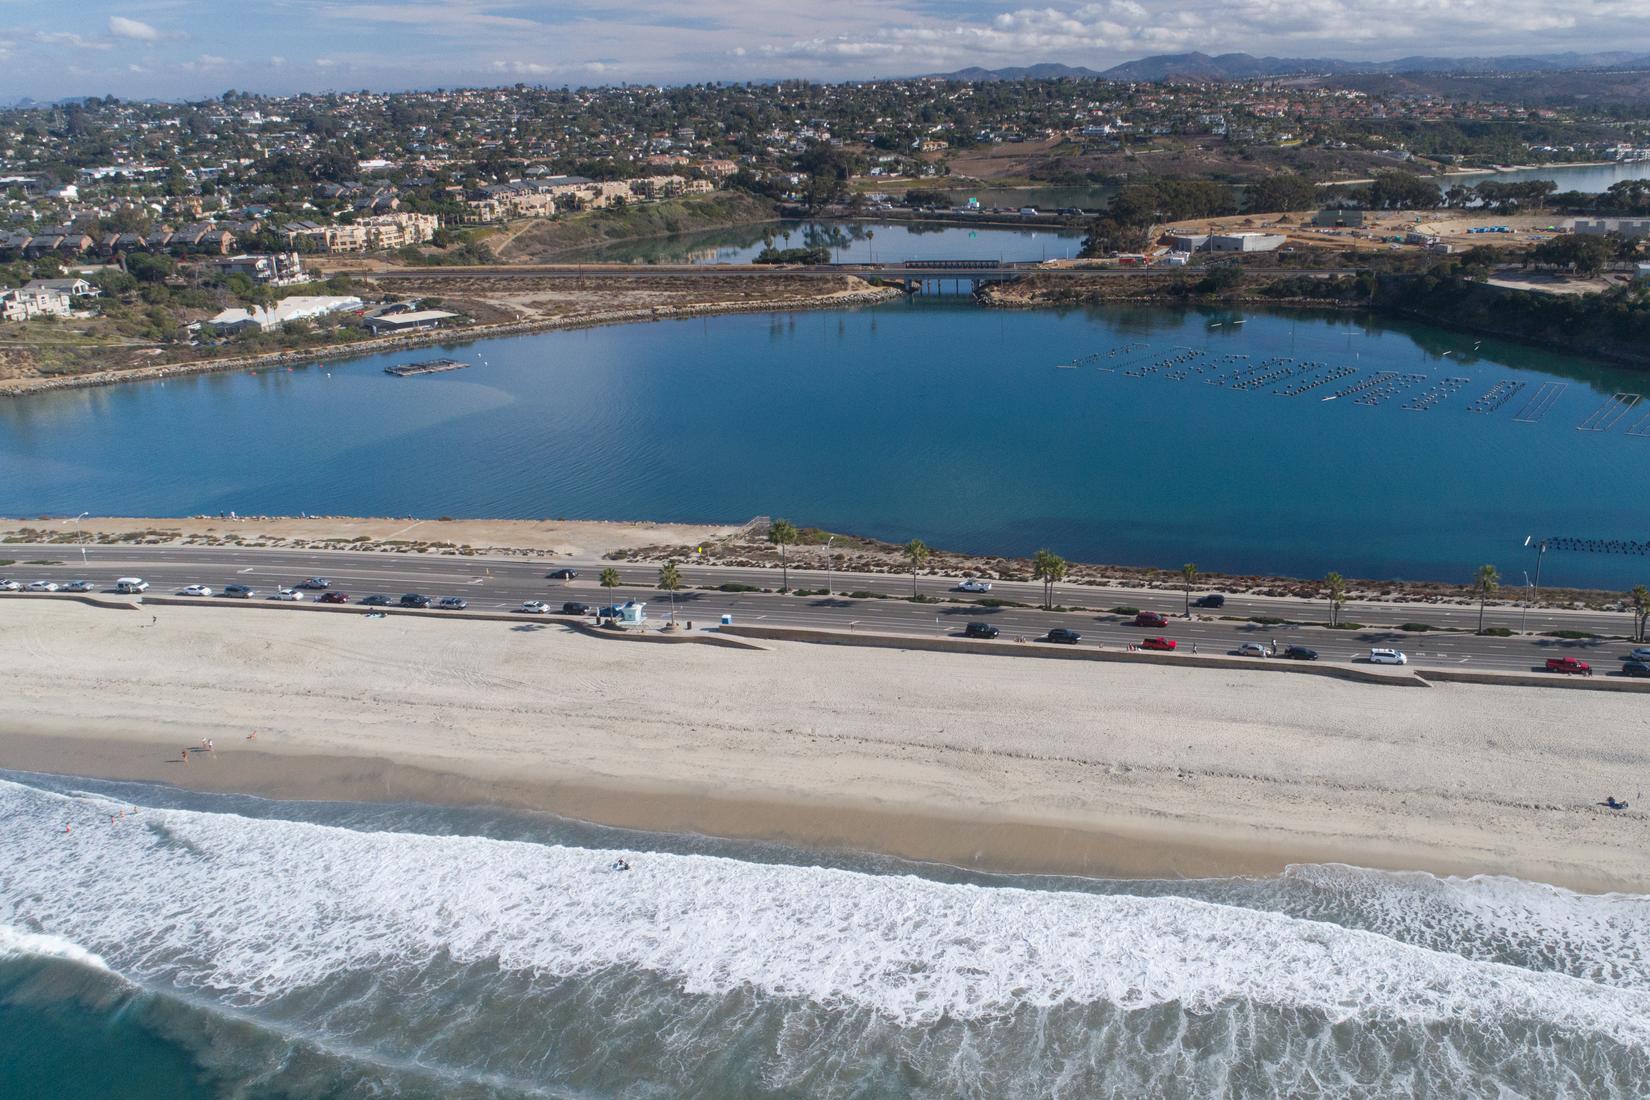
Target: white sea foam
[
  {"x": 16, "y": 943},
  {"x": 253, "y": 909}
]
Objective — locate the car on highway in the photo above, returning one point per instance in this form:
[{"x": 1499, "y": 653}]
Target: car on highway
[
  {"x": 1635, "y": 668},
  {"x": 973, "y": 585},
  {"x": 1300, "y": 653},
  {"x": 534, "y": 607},
  {"x": 1158, "y": 643},
  {"x": 452, "y": 603},
  {"x": 1063, "y": 635},
  {"x": 9, "y": 585},
  {"x": 1213, "y": 599},
  {"x": 286, "y": 595},
  {"x": 333, "y": 597},
  {"x": 980, "y": 630},
  {"x": 562, "y": 574},
  {"x": 131, "y": 586},
  {"x": 1150, "y": 618},
  {"x": 1570, "y": 666},
  {"x": 195, "y": 590},
  {"x": 1387, "y": 657},
  {"x": 573, "y": 607},
  {"x": 78, "y": 586},
  {"x": 315, "y": 582},
  {"x": 377, "y": 599},
  {"x": 1251, "y": 649},
  {"x": 413, "y": 599},
  {"x": 239, "y": 591},
  {"x": 43, "y": 586},
  {"x": 1639, "y": 653}
]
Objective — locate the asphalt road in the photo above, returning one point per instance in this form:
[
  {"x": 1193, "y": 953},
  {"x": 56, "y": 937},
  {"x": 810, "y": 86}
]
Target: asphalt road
[
  {"x": 503, "y": 584},
  {"x": 864, "y": 270}
]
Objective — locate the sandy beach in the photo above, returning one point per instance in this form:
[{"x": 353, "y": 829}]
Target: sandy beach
[{"x": 994, "y": 762}]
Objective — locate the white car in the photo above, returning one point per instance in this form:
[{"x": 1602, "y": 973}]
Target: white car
[
  {"x": 534, "y": 607},
  {"x": 972, "y": 585},
  {"x": 1640, "y": 653},
  {"x": 10, "y": 586},
  {"x": 1251, "y": 649},
  {"x": 77, "y": 586},
  {"x": 1387, "y": 657},
  {"x": 43, "y": 586},
  {"x": 196, "y": 590},
  {"x": 316, "y": 582},
  {"x": 289, "y": 595}
]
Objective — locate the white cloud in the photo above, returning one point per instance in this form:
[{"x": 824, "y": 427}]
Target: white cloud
[
  {"x": 135, "y": 29},
  {"x": 68, "y": 38}
]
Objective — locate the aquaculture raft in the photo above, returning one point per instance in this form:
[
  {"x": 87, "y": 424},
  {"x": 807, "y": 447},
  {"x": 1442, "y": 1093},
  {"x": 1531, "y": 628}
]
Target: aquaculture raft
[{"x": 432, "y": 366}]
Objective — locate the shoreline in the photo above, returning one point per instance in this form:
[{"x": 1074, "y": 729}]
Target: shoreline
[{"x": 968, "y": 760}]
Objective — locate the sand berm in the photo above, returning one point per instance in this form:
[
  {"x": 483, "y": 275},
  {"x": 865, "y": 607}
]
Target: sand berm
[{"x": 994, "y": 762}]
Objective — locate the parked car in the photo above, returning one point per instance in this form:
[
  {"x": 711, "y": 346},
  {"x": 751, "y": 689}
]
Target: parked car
[
  {"x": 196, "y": 590},
  {"x": 1150, "y": 618},
  {"x": 973, "y": 585},
  {"x": 1635, "y": 668},
  {"x": 287, "y": 595},
  {"x": 534, "y": 607},
  {"x": 1063, "y": 635},
  {"x": 575, "y": 608},
  {"x": 1213, "y": 599},
  {"x": 562, "y": 574},
  {"x": 413, "y": 599},
  {"x": 238, "y": 591},
  {"x": 43, "y": 586},
  {"x": 1251, "y": 649},
  {"x": 1300, "y": 653},
  {"x": 333, "y": 597},
  {"x": 980, "y": 630},
  {"x": 78, "y": 586},
  {"x": 377, "y": 599},
  {"x": 452, "y": 603},
  {"x": 131, "y": 586},
  {"x": 10, "y": 586},
  {"x": 316, "y": 582},
  {"x": 1158, "y": 643},
  {"x": 1569, "y": 666},
  {"x": 1387, "y": 657}
]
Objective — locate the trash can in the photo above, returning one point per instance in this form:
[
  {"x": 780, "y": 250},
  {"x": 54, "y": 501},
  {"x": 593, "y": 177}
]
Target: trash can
[{"x": 727, "y": 620}]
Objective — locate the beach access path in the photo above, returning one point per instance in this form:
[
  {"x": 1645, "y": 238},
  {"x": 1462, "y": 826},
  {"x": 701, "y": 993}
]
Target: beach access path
[{"x": 987, "y": 761}]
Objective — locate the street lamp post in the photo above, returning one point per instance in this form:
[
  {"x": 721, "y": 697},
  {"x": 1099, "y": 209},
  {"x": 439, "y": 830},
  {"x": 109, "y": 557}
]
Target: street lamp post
[
  {"x": 1540, "y": 552},
  {"x": 77, "y": 520},
  {"x": 828, "y": 556}
]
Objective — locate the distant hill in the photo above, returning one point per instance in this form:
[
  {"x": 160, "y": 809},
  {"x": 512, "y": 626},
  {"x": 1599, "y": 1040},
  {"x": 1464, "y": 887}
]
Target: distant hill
[{"x": 1242, "y": 66}]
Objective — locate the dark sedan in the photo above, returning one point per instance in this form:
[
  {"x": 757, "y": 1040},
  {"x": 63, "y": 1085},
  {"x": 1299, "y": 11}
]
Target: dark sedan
[
  {"x": 1063, "y": 636},
  {"x": 376, "y": 600},
  {"x": 413, "y": 599},
  {"x": 1300, "y": 653}
]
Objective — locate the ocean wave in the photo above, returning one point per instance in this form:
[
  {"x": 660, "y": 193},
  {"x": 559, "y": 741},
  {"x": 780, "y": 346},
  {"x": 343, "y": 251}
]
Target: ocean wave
[
  {"x": 257, "y": 909},
  {"x": 17, "y": 943}
]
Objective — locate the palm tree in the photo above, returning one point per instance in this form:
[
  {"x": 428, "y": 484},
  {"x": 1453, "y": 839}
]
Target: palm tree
[
  {"x": 782, "y": 532},
  {"x": 1337, "y": 596},
  {"x": 1187, "y": 573},
  {"x": 1641, "y": 610},
  {"x": 1485, "y": 582},
  {"x": 918, "y": 552},
  {"x": 670, "y": 579},
  {"x": 1049, "y": 568},
  {"x": 610, "y": 581}
]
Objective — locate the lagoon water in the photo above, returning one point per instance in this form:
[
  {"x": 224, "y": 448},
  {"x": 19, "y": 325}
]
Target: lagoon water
[
  {"x": 933, "y": 418},
  {"x": 849, "y": 242},
  {"x": 229, "y": 946}
]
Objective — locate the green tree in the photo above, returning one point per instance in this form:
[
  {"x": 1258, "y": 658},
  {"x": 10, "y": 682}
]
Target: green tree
[
  {"x": 782, "y": 532},
  {"x": 670, "y": 579},
  {"x": 1188, "y": 573},
  {"x": 1485, "y": 582},
  {"x": 1050, "y": 568},
  {"x": 1283, "y": 191},
  {"x": 917, "y": 552},
  {"x": 610, "y": 581},
  {"x": 1584, "y": 253},
  {"x": 1403, "y": 191},
  {"x": 1336, "y": 584},
  {"x": 1641, "y": 610}
]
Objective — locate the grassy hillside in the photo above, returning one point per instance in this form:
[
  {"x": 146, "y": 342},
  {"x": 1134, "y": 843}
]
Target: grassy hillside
[{"x": 545, "y": 238}]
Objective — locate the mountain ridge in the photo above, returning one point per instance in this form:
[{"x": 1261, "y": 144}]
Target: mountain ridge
[{"x": 1243, "y": 66}]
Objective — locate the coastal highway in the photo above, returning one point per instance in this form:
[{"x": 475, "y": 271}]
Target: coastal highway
[
  {"x": 860, "y": 270},
  {"x": 501, "y": 584}
]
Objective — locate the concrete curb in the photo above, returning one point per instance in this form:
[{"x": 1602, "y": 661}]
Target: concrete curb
[
  {"x": 1048, "y": 651},
  {"x": 116, "y": 603},
  {"x": 1536, "y": 679}
]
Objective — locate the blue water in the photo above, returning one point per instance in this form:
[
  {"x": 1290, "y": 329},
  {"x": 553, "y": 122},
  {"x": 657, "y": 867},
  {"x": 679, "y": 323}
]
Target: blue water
[
  {"x": 229, "y": 946},
  {"x": 934, "y": 419},
  {"x": 1590, "y": 178},
  {"x": 849, "y": 242}
]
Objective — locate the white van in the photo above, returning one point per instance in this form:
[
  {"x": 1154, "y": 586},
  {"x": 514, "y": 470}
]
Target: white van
[{"x": 131, "y": 586}]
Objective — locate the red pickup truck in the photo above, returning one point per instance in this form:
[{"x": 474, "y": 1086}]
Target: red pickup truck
[{"x": 1569, "y": 665}]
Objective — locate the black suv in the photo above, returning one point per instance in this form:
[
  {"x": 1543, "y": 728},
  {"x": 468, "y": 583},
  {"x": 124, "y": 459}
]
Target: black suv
[
  {"x": 1635, "y": 668},
  {"x": 1213, "y": 599},
  {"x": 1063, "y": 635},
  {"x": 575, "y": 609},
  {"x": 377, "y": 601},
  {"x": 413, "y": 599},
  {"x": 980, "y": 630},
  {"x": 1300, "y": 653},
  {"x": 562, "y": 574}
]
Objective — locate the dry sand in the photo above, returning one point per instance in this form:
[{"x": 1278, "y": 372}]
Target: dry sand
[{"x": 988, "y": 761}]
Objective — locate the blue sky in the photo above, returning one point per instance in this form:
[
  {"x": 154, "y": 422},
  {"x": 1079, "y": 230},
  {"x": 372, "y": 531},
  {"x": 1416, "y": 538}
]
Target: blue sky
[{"x": 174, "y": 48}]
